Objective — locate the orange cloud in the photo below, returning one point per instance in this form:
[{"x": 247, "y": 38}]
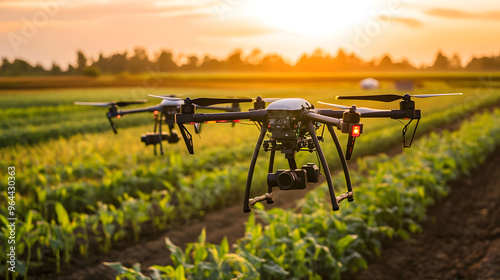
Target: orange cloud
[
  {"x": 410, "y": 22},
  {"x": 13, "y": 12},
  {"x": 459, "y": 14}
]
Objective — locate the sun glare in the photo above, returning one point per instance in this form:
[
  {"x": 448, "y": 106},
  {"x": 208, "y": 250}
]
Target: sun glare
[{"x": 314, "y": 18}]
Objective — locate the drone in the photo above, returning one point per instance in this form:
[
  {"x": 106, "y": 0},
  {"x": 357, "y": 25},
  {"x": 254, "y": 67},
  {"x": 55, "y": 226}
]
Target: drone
[
  {"x": 292, "y": 124},
  {"x": 164, "y": 113}
]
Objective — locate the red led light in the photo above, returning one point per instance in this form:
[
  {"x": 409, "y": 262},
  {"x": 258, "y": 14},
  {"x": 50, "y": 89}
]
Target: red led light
[
  {"x": 155, "y": 112},
  {"x": 356, "y": 131},
  {"x": 118, "y": 116}
]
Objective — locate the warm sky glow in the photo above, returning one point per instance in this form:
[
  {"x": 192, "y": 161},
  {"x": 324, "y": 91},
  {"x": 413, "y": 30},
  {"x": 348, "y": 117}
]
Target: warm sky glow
[
  {"x": 313, "y": 18},
  {"x": 52, "y": 30}
]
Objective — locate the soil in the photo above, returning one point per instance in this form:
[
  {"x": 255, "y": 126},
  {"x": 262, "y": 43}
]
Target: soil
[{"x": 460, "y": 239}]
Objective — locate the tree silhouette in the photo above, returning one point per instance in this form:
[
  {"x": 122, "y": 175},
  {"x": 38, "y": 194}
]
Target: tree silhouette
[
  {"x": 166, "y": 62},
  {"x": 386, "y": 63},
  {"x": 441, "y": 62},
  {"x": 81, "y": 61},
  {"x": 318, "y": 61}
]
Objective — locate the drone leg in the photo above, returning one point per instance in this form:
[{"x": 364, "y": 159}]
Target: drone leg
[
  {"x": 161, "y": 135},
  {"x": 154, "y": 130},
  {"x": 310, "y": 128},
  {"x": 343, "y": 160},
  {"x": 271, "y": 168},
  {"x": 263, "y": 130}
]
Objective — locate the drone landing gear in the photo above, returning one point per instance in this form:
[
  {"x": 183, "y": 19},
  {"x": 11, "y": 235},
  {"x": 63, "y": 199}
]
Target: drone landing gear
[
  {"x": 305, "y": 172},
  {"x": 158, "y": 137},
  {"x": 312, "y": 132},
  {"x": 246, "y": 206}
]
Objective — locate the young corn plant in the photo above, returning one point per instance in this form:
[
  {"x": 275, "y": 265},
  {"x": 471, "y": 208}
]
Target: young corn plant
[
  {"x": 137, "y": 211},
  {"x": 106, "y": 214},
  {"x": 81, "y": 232},
  {"x": 162, "y": 200}
]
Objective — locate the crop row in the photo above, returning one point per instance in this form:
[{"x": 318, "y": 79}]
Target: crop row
[
  {"x": 390, "y": 201},
  {"x": 115, "y": 202}
]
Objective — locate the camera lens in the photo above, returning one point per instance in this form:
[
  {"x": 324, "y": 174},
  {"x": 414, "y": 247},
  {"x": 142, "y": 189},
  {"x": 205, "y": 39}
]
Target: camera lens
[{"x": 286, "y": 179}]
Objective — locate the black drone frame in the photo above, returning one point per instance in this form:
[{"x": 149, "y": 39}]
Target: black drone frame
[
  {"x": 300, "y": 114},
  {"x": 164, "y": 113}
]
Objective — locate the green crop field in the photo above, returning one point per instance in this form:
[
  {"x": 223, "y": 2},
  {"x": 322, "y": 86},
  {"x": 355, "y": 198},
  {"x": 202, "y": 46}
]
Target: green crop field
[{"x": 81, "y": 189}]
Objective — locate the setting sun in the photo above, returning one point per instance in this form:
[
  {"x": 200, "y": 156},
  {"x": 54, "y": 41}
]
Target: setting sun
[{"x": 316, "y": 18}]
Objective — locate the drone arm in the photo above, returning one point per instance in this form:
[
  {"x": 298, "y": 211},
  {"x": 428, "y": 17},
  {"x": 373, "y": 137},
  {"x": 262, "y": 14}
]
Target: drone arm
[
  {"x": 330, "y": 113},
  {"x": 139, "y": 110},
  {"x": 393, "y": 114},
  {"x": 227, "y": 109},
  {"x": 323, "y": 119},
  {"x": 259, "y": 115}
]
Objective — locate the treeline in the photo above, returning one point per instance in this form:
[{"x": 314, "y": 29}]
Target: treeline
[{"x": 256, "y": 61}]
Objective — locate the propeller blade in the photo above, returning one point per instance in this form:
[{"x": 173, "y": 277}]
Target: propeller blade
[
  {"x": 392, "y": 97},
  {"x": 203, "y": 101},
  {"x": 434, "y": 95},
  {"x": 107, "y": 104},
  {"x": 381, "y": 97},
  {"x": 168, "y": 97},
  {"x": 361, "y": 110},
  {"x": 99, "y": 104},
  {"x": 126, "y": 103}
]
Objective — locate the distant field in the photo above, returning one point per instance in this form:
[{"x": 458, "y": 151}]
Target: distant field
[
  {"x": 253, "y": 80},
  {"x": 32, "y": 116}
]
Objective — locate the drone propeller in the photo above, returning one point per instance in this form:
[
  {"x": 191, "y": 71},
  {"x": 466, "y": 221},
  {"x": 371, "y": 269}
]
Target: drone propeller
[
  {"x": 361, "y": 110},
  {"x": 107, "y": 104},
  {"x": 113, "y": 108},
  {"x": 203, "y": 101},
  {"x": 392, "y": 97}
]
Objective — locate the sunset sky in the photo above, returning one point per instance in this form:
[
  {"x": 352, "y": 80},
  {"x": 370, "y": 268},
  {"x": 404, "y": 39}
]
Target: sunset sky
[{"x": 52, "y": 30}]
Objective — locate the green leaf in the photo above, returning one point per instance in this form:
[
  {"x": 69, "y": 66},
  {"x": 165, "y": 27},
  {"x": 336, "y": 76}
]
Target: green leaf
[
  {"x": 224, "y": 246},
  {"x": 203, "y": 237},
  {"x": 62, "y": 215},
  {"x": 176, "y": 253},
  {"x": 403, "y": 233},
  {"x": 56, "y": 244},
  {"x": 167, "y": 270},
  {"x": 274, "y": 269},
  {"x": 344, "y": 242},
  {"x": 179, "y": 273}
]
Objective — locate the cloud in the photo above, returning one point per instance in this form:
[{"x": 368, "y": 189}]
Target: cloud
[
  {"x": 236, "y": 28},
  {"x": 10, "y": 11},
  {"x": 410, "y": 22},
  {"x": 459, "y": 14}
]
